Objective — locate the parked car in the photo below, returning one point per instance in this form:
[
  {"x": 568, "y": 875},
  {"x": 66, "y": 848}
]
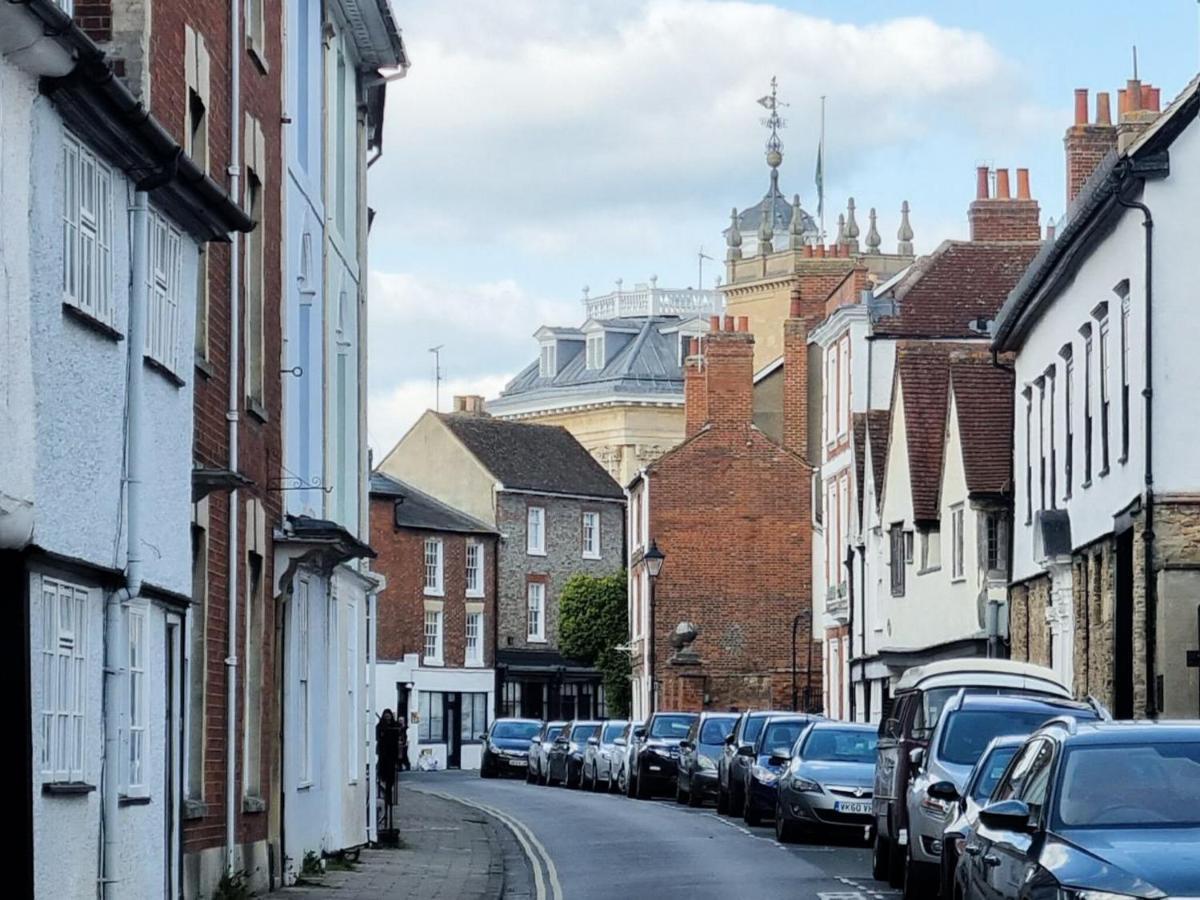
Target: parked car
[
  {"x": 539, "y": 747},
  {"x": 975, "y": 795},
  {"x": 506, "y": 747},
  {"x": 940, "y": 771},
  {"x": 732, "y": 766},
  {"x": 827, "y": 781},
  {"x": 1091, "y": 810},
  {"x": 768, "y": 755},
  {"x": 600, "y": 758},
  {"x": 696, "y": 779},
  {"x": 564, "y": 761},
  {"x": 917, "y": 702},
  {"x": 657, "y": 755},
  {"x": 626, "y": 747}
]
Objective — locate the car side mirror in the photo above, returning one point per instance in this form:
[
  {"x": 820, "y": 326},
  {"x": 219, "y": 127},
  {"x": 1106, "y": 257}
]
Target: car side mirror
[
  {"x": 640, "y": 733},
  {"x": 746, "y": 750},
  {"x": 780, "y": 757},
  {"x": 685, "y": 744},
  {"x": 916, "y": 756},
  {"x": 535, "y": 740},
  {"x": 943, "y": 790},
  {"x": 1006, "y": 815},
  {"x": 593, "y": 742},
  {"x": 730, "y": 738}
]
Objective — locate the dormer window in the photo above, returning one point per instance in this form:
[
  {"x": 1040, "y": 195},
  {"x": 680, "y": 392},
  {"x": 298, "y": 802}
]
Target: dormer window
[
  {"x": 595, "y": 351},
  {"x": 547, "y": 365}
]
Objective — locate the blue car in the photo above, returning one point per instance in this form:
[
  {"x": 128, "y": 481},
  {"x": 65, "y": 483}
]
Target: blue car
[
  {"x": 777, "y": 738},
  {"x": 506, "y": 747}
]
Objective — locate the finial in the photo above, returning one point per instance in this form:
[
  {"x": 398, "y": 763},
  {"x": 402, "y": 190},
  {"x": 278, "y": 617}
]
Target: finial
[
  {"x": 653, "y": 281},
  {"x": 766, "y": 229},
  {"x": 717, "y": 282},
  {"x": 905, "y": 232},
  {"x": 851, "y": 227},
  {"x": 873, "y": 239},
  {"x": 620, "y": 281},
  {"x": 733, "y": 238},
  {"x": 840, "y": 240},
  {"x": 585, "y": 291},
  {"x": 796, "y": 230}
]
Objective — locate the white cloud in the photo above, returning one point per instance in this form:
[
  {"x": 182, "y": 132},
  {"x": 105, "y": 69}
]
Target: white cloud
[{"x": 392, "y": 411}]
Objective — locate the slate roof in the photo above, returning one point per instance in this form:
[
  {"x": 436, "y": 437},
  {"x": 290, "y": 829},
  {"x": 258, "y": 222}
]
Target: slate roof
[
  {"x": 983, "y": 395},
  {"x": 419, "y": 510},
  {"x": 525, "y": 456},
  {"x": 960, "y": 282},
  {"x": 923, "y": 374}
]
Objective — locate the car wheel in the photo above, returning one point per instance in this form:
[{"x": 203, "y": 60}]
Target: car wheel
[
  {"x": 722, "y": 801},
  {"x": 879, "y": 857},
  {"x": 681, "y": 796},
  {"x": 785, "y": 832},
  {"x": 694, "y": 799},
  {"x": 643, "y": 787},
  {"x": 916, "y": 882},
  {"x": 895, "y": 866},
  {"x": 749, "y": 814},
  {"x": 629, "y": 786}
]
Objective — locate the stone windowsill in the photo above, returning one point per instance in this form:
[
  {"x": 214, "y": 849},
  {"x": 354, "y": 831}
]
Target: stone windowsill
[
  {"x": 86, "y": 319},
  {"x": 253, "y": 804},
  {"x": 67, "y": 788},
  {"x": 194, "y": 809},
  {"x": 133, "y": 800}
]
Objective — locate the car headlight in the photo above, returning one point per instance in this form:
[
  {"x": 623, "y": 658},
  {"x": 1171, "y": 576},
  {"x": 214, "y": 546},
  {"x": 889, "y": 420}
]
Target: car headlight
[
  {"x": 763, "y": 774},
  {"x": 706, "y": 762},
  {"x": 804, "y": 786},
  {"x": 573, "y": 747}
]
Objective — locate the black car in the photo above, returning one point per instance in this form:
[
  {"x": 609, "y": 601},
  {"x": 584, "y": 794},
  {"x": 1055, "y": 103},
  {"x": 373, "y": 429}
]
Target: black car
[
  {"x": 696, "y": 779},
  {"x": 732, "y": 767},
  {"x": 657, "y": 755},
  {"x": 564, "y": 761},
  {"x": 1090, "y": 810},
  {"x": 766, "y": 757},
  {"x": 506, "y": 747}
]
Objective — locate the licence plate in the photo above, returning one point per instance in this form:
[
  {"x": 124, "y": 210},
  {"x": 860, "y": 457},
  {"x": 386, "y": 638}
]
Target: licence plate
[
  {"x": 853, "y": 807},
  {"x": 519, "y": 763},
  {"x": 655, "y": 768}
]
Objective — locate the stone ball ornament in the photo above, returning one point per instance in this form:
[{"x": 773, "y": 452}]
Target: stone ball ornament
[{"x": 684, "y": 635}]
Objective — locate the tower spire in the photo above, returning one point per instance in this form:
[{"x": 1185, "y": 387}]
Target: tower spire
[
  {"x": 904, "y": 233},
  {"x": 773, "y": 123}
]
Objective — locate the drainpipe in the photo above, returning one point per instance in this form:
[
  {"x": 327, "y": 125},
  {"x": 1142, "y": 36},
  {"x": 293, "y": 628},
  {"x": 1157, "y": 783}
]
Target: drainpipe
[
  {"x": 1153, "y": 701},
  {"x": 115, "y": 647},
  {"x": 372, "y": 775},
  {"x": 231, "y": 415},
  {"x": 848, "y": 686}
]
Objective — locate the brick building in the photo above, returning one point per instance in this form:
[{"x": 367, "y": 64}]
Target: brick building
[
  {"x": 731, "y": 510},
  {"x": 436, "y": 625}
]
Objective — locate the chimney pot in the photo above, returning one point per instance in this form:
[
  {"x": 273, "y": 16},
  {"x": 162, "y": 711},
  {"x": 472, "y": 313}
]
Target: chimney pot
[
  {"x": 714, "y": 323},
  {"x": 832, "y": 251},
  {"x": 795, "y": 305},
  {"x": 1122, "y": 102},
  {"x": 1081, "y": 105},
  {"x": 1133, "y": 95},
  {"x": 743, "y": 323},
  {"x": 820, "y": 251},
  {"x": 694, "y": 347},
  {"x": 1023, "y": 184},
  {"x": 1154, "y": 98},
  {"x": 1002, "y": 184},
  {"x": 1103, "y": 113},
  {"x": 808, "y": 251},
  {"x": 981, "y": 182},
  {"x": 729, "y": 323}
]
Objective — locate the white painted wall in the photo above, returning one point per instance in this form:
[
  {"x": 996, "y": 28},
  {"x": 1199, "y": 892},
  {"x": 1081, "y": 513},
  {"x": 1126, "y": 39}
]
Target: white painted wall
[{"x": 901, "y": 628}]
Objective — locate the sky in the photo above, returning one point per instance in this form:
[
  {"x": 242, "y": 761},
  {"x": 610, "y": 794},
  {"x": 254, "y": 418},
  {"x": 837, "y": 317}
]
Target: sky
[{"x": 538, "y": 146}]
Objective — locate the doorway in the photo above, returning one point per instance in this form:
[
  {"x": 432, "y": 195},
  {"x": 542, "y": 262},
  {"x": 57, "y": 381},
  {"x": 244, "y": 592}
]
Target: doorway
[
  {"x": 453, "y": 730},
  {"x": 1123, "y": 626},
  {"x": 173, "y": 707}
]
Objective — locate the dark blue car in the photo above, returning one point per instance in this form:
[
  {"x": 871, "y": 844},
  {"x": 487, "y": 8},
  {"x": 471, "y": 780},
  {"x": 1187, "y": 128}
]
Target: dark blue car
[
  {"x": 506, "y": 748},
  {"x": 762, "y": 775}
]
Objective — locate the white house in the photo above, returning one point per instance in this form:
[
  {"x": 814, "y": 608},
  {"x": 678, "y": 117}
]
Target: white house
[
  {"x": 1105, "y": 555},
  {"x": 101, "y": 223},
  {"x": 341, "y": 54}
]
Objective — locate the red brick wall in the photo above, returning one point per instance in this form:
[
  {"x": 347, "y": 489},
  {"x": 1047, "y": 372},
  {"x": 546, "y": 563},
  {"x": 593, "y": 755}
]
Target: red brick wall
[
  {"x": 795, "y": 383},
  {"x": 400, "y": 628},
  {"x": 729, "y": 378},
  {"x": 95, "y": 18},
  {"x": 695, "y": 407},
  {"x": 1005, "y": 220},
  {"x": 259, "y": 438}
]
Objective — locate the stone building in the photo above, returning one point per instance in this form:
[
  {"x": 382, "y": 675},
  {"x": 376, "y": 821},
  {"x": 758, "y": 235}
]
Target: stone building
[
  {"x": 436, "y": 624},
  {"x": 1106, "y": 550},
  {"x": 615, "y": 382},
  {"x": 558, "y": 513}
]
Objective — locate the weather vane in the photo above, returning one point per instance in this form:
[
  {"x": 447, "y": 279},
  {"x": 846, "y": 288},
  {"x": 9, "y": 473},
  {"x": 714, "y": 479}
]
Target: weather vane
[{"x": 774, "y": 122}]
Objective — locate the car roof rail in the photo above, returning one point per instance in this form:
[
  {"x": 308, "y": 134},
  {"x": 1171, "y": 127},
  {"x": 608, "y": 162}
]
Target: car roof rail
[
  {"x": 1100, "y": 709},
  {"x": 1070, "y": 723}
]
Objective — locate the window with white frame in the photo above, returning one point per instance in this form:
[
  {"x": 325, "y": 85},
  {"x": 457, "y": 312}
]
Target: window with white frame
[
  {"x": 64, "y": 679},
  {"x": 1041, "y": 389},
  {"x": 256, "y": 30},
  {"x": 433, "y": 637},
  {"x": 87, "y": 232},
  {"x": 931, "y": 549},
  {"x": 255, "y": 264},
  {"x": 164, "y": 284},
  {"x": 302, "y": 677},
  {"x": 843, "y": 406},
  {"x": 474, "y": 568},
  {"x": 1086, "y": 331},
  {"x": 1027, "y": 393},
  {"x": 535, "y": 531},
  {"x": 195, "y": 145},
  {"x": 1104, "y": 395},
  {"x": 473, "y": 654},
  {"x": 1067, "y": 354},
  {"x": 135, "y": 774},
  {"x": 546, "y": 362},
  {"x": 591, "y": 535},
  {"x": 352, "y": 728},
  {"x": 1123, "y": 292},
  {"x": 433, "y": 566},
  {"x": 957, "y": 547},
  {"x": 537, "y": 611},
  {"x": 595, "y": 351}
]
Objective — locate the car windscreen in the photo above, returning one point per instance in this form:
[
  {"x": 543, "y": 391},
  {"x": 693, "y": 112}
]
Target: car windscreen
[
  {"x": 552, "y": 733},
  {"x": 968, "y": 731},
  {"x": 840, "y": 745},
  {"x": 668, "y": 727},
  {"x": 990, "y": 771},
  {"x": 612, "y": 731},
  {"x": 515, "y": 730},
  {"x": 1144, "y": 785},
  {"x": 714, "y": 731},
  {"x": 781, "y": 735},
  {"x": 581, "y": 733},
  {"x": 754, "y": 727}
]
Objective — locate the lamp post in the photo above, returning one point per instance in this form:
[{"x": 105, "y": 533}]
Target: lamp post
[{"x": 653, "y": 561}]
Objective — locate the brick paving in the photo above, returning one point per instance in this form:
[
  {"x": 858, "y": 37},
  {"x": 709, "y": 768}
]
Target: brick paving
[{"x": 448, "y": 851}]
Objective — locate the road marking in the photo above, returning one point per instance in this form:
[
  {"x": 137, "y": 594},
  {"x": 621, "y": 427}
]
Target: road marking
[{"x": 535, "y": 851}]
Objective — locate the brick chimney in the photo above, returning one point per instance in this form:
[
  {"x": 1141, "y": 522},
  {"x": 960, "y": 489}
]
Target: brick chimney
[
  {"x": 469, "y": 403},
  {"x": 1003, "y": 217},
  {"x": 795, "y": 377},
  {"x": 695, "y": 392},
  {"x": 1087, "y": 142},
  {"x": 729, "y": 375}
]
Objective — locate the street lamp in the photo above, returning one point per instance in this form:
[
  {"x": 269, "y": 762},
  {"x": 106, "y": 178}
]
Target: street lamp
[{"x": 653, "y": 559}]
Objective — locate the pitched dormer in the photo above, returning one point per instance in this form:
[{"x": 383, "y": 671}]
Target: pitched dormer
[
  {"x": 558, "y": 346},
  {"x": 605, "y": 339}
]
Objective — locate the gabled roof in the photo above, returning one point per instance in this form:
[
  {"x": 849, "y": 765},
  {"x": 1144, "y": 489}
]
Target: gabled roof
[
  {"x": 943, "y": 294},
  {"x": 874, "y": 423},
  {"x": 418, "y": 510},
  {"x": 524, "y": 456},
  {"x": 983, "y": 398},
  {"x": 923, "y": 374}
]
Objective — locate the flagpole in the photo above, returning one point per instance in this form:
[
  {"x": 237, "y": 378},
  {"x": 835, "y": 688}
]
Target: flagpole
[{"x": 821, "y": 210}]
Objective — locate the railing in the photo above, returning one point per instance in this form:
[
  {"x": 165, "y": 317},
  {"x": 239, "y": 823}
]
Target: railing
[{"x": 649, "y": 300}]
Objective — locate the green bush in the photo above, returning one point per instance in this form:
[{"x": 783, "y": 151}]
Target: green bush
[{"x": 593, "y": 620}]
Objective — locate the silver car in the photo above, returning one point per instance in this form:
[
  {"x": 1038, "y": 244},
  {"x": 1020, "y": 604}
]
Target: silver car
[
  {"x": 539, "y": 752},
  {"x": 625, "y": 753},
  {"x": 602, "y": 758},
  {"x": 828, "y": 782}
]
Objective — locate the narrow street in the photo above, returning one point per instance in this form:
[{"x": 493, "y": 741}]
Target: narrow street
[{"x": 604, "y": 845}]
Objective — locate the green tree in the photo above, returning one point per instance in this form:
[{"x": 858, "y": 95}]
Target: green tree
[{"x": 593, "y": 620}]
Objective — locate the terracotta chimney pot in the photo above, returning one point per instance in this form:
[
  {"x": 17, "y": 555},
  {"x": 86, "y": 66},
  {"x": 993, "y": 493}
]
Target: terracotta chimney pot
[
  {"x": 714, "y": 323},
  {"x": 808, "y": 251},
  {"x": 1154, "y": 99},
  {"x": 728, "y": 323},
  {"x": 820, "y": 251},
  {"x": 1081, "y": 105},
  {"x": 1002, "y": 184},
  {"x": 1133, "y": 94},
  {"x": 1103, "y": 113},
  {"x": 1122, "y": 102},
  {"x": 1023, "y": 184},
  {"x": 743, "y": 323},
  {"x": 794, "y": 306},
  {"x": 981, "y": 182},
  {"x": 694, "y": 347}
]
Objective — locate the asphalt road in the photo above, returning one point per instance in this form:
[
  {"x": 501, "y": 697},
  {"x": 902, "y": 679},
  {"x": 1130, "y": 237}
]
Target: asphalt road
[{"x": 606, "y": 846}]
